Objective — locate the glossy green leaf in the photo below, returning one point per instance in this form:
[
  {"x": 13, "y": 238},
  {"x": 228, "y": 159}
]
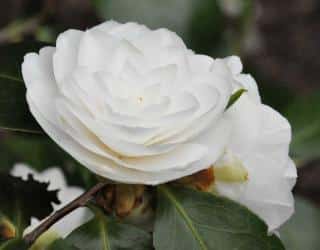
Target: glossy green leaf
[
  {"x": 302, "y": 230},
  {"x": 304, "y": 116},
  {"x": 191, "y": 220},
  {"x": 104, "y": 233},
  {"x": 20, "y": 200},
  {"x": 15, "y": 244},
  {"x": 62, "y": 245},
  {"x": 235, "y": 96},
  {"x": 45, "y": 240}
]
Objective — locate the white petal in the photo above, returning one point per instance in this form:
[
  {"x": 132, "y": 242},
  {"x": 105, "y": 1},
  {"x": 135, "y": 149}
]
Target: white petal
[
  {"x": 96, "y": 50},
  {"x": 75, "y": 219},
  {"x": 128, "y": 31},
  {"x": 22, "y": 171},
  {"x": 260, "y": 139},
  {"x": 248, "y": 83},
  {"x": 107, "y": 26},
  {"x": 65, "y": 59},
  {"x": 129, "y": 103},
  {"x": 200, "y": 63},
  {"x": 174, "y": 157},
  {"x": 37, "y": 68},
  {"x": 39, "y": 79},
  {"x": 56, "y": 180},
  {"x": 234, "y": 62}
]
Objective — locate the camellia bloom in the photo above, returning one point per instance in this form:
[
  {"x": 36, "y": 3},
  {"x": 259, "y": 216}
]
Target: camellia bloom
[
  {"x": 136, "y": 106},
  {"x": 256, "y": 170},
  {"x": 66, "y": 194},
  {"x": 131, "y": 104}
]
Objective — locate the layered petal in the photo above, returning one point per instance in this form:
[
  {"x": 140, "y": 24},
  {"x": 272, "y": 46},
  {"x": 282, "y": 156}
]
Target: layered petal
[
  {"x": 130, "y": 103},
  {"x": 259, "y": 142}
]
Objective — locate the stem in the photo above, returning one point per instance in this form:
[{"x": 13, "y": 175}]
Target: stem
[{"x": 81, "y": 201}]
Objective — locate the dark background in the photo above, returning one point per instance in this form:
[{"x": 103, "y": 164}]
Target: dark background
[{"x": 278, "y": 41}]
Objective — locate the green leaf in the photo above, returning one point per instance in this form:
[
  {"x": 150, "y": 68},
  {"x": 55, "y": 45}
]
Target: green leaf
[
  {"x": 189, "y": 219},
  {"x": 304, "y": 116},
  {"x": 302, "y": 230},
  {"x": 14, "y": 111},
  {"x": 62, "y": 245},
  {"x": 235, "y": 96},
  {"x": 45, "y": 240},
  {"x": 15, "y": 244},
  {"x": 104, "y": 233},
  {"x": 20, "y": 200}
]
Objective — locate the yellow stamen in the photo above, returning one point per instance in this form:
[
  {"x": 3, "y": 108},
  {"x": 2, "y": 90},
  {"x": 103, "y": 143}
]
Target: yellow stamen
[{"x": 231, "y": 173}]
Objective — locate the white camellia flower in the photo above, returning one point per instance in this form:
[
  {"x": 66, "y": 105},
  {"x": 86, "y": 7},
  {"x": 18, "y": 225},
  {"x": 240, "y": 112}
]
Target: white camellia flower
[
  {"x": 66, "y": 194},
  {"x": 131, "y": 104},
  {"x": 136, "y": 106},
  {"x": 256, "y": 170}
]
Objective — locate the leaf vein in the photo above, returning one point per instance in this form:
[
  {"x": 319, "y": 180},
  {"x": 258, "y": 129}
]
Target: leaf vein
[{"x": 185, "y": 216}]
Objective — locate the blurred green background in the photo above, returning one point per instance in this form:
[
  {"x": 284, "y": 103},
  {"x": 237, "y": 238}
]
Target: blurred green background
[{"x": 278, "y": 41}]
